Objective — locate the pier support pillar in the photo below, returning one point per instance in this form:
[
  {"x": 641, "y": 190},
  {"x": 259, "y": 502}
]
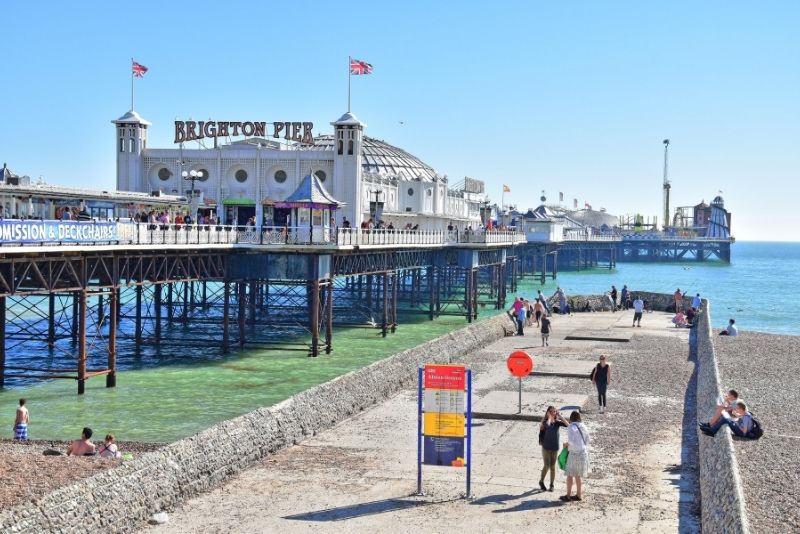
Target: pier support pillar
[
  {"x": 226, "y": 308},
  {"x": 2, "y": 342},
  {"x": 431, "y": 288},
  {"x": 157, "y": 310},
  {"x": 99, "y": 311},
  {"x": 385, "y": 320},
  {"x": 395, "y": 280},
  {"x": 313, "y": 315},
  {"x": 81, "y": 295},
  {"x": 253, "y": 300},
  {"x": 75, "y": 312},
  {"x": 170, "y": 310},
  {"x": 468, "y": 293},
  {"x": 138, "y": 319},
  {"x": 111, "y": 377},
  {"x": 241, "y": 318},
  {"x": 185, "y": 307},
  {"x": 51, "y": 320},
  {"x": 329, "y": 318}
]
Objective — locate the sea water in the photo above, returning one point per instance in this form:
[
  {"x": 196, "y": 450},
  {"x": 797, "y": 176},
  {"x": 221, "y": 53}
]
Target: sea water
[{"x": 177, "y": 391}]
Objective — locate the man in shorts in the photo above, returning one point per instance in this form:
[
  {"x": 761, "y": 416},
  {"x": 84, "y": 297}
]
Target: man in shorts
[
  {"x": 21, "y": 421},
  {"x": 638, "y": 309},
  {"x": 546, "y": 329}
]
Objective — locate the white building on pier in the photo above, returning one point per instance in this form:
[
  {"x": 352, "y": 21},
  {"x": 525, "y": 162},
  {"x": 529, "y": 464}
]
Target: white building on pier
[{"x": 246, "y": 178}]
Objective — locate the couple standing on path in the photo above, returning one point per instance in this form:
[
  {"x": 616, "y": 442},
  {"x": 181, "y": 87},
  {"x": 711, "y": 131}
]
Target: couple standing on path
[{"x": 576, "y": 449}]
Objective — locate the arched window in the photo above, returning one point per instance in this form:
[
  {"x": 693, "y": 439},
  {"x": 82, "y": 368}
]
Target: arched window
[
  {"x": 341, "y": 147},
  {"x": 350, "y": 148},
  {"x": 130, "y": 145},
  {"x": 122, "y": 145}
]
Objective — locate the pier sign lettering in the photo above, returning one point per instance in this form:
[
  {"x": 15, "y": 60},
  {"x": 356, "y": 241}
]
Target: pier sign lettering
[
  {"x": 300, "y": 132},
  {"x": 14, "y": 231}
]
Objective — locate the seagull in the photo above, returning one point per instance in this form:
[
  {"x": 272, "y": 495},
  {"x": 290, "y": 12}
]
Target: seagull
[
  {"x": 372, "y": 322},
  {"x": 401, "y": 122}
]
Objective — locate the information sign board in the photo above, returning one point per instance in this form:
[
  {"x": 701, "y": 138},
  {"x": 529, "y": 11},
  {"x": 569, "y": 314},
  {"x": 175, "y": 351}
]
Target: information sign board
[
  {"x": 443, "y": 400},
  {"x": 445, "y": 377},
  {"x": 443, "y": 424},
  {"x": 444, "y": 451}
]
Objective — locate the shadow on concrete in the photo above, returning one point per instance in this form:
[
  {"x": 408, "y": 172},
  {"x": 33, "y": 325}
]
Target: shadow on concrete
[
  {"x": 359, "y": 510},
  {"x": 502, "y": 498},
  {"x": 530, "y": 505},
  {"x": 688, "y": 470}
]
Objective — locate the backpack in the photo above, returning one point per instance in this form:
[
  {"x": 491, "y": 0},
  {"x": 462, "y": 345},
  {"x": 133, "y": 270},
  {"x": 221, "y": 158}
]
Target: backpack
[
  {"x": 755, "y": 431},
  {"x": 594, "y": 370}
]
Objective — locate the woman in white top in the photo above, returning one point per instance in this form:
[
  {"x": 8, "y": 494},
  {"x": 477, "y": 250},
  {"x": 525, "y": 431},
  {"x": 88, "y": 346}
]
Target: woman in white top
[{"x": 578, "y": 459}]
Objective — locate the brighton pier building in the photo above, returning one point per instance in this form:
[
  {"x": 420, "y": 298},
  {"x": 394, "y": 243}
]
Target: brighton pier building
[{"x": 251, "y": 177}]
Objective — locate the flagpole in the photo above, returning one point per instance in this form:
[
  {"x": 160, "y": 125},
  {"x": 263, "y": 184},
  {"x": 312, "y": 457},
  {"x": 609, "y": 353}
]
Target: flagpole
[
  {"x": 349, "y": 75},
  {"x": 131, "y": 84}
]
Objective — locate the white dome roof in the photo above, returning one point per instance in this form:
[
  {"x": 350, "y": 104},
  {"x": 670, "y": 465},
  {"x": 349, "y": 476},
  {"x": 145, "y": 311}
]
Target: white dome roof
[{"x": 131, "y": 117}]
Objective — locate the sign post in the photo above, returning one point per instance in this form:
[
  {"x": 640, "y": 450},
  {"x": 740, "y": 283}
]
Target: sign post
[
  {"x": 444, "y": 419},
  {"x": 520, "y": 364}
]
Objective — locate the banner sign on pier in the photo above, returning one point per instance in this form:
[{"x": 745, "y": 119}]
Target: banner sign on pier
[{"x": 21, "y": 232}]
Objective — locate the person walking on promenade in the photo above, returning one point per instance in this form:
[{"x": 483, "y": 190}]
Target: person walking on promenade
[
  {"x": 614, "y": 298},
  {"x": 538, "y": 311},
  {"x": 528, "y": 312},
  {"x": 697, "y": 302},
  {"x": 638, "y": 309},
  {"x": 21, "y": 421},
  {"x": 549, "y": 439},
  {"x": 578, "y": 459},
  {"x": 624, "y": 297},
  {"x": 601, "y": 377},
  {"x": 543, "y": 300},
  {"x": 517, "y": 311},
  {"x": 546, "y": 330}
]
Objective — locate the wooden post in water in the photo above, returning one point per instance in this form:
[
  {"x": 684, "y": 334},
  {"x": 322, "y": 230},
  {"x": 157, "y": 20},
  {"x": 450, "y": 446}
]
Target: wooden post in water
[
  {"x": 241, "y": 318},
  {"x": 111, "y": 377},
  {"x": 170, "y": 311},
  {"x": 329, "y": 319},
  {"x": 51, "y": 320},
  {"x": 185, "y": 307},
  {"x": 385, "y": 322},
  {"x": 468, "y": 293},
  {"x": 313, "y": 314},
  {"x": 431, "y": 299},
  {"x": 81, "y": 341},
  {"x": 74, "y": 317},
  {"x": 395, "y": 281},
  {"x": 157, "y": 306},
  {"x": 138, "y": 325},
  {"x": 226, "y": 304},
  {"x": 2, "y": 342}
]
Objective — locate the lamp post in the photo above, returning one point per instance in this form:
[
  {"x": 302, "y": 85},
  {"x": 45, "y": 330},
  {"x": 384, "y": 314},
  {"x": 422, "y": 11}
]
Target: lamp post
[
  {"x": 192, "y": 176},
  {"x": 377, "y": 193}
]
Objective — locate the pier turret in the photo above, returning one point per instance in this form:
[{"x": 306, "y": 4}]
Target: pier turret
[
  {"x": 348, "y": 138},
  {"x": 131, "y": 142}
]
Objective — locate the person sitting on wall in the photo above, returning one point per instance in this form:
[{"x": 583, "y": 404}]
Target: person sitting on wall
[
  {"x": 83, "y": 446},
  {"x": 731, "y": 330},
  {"x": 740, "y": 422},
  {"x": 725, "y": 406}
]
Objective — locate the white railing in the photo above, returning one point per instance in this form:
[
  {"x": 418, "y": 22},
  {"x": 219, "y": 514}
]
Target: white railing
[
  {"x": 150, "y": 234},
  {"x": 581, "y": 235}
]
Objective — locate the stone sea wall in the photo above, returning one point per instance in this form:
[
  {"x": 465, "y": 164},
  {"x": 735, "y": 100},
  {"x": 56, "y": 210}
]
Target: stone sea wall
[
  {"x": 595, "y": 303},
  {"x": 722, "y": 499},
  {"x": 124, "y": 498}
]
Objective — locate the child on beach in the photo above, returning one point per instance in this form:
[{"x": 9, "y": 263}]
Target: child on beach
[
  {"x": 109, "y": 449},
  {"x": 21, "y": 421}
]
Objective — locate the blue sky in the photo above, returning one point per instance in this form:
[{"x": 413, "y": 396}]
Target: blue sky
[{"x": 573, "y": 97}]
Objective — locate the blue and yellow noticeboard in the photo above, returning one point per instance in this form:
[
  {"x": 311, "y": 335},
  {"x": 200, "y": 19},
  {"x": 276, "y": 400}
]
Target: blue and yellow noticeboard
[{"x": 444, "y": 419}]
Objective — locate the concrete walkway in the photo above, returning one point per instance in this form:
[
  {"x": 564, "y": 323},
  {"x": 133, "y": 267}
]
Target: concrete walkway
[{"x": 361, "y": 475}]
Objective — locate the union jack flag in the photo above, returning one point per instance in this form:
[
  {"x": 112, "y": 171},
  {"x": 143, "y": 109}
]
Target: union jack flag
[
  {"x": 138, "y": 69},
  {"x": 358, "y": 67}
]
